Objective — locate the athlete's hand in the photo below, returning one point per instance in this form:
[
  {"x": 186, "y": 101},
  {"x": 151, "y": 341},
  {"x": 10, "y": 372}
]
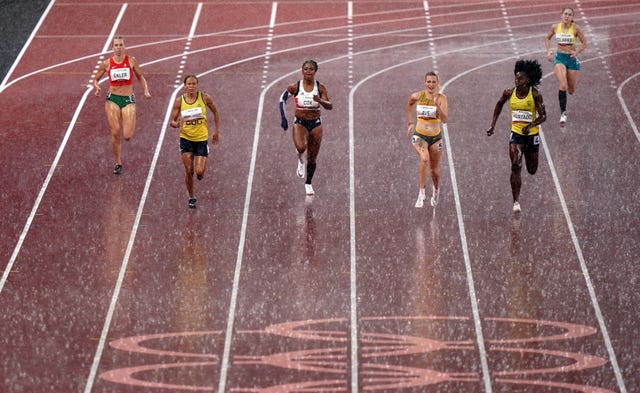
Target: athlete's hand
[{"x": 490, "y": 131}]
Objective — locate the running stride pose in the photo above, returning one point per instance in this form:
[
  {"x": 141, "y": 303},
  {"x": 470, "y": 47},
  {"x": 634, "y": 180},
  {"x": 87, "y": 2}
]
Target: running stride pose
[
  {"x": 527, "y": 113},
  {"x": 309, "y": 96},
  {"x": 121, "y": 102},
  {"x": 189, "y": 113},
  {"x": 566, "y": 64},
  {"x": 432, "y": 109}
]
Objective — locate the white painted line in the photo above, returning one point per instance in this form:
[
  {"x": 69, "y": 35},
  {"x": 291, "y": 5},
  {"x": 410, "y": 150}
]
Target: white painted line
[
  {"x": 26, "y": 45},
  {"x": 627, "y": 113}
]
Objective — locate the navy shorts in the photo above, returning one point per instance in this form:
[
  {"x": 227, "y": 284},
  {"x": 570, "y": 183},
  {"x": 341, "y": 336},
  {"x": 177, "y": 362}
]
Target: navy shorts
[
  {"x": 308, "y": 124},
  {"x": 530, "y": 143},
  {"x": 197, "y": 148}
]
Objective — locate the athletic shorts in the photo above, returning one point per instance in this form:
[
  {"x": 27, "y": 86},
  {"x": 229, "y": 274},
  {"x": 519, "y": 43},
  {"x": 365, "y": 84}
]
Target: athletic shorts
[
  {"x": 431, "y": 140},
  {"x": 197, "y": 148},
  {"x": 308, "y": 124},
  {"x": 530, "y": 143},
  {"x": 572, "y": 64},
  {"x": 121, "y": 101}
]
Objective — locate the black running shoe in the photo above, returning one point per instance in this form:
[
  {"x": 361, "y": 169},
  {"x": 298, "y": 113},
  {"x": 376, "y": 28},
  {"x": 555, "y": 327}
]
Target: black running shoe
[
  {"x": 192, "y": 202},
  {"x": 117, "y": 169}
]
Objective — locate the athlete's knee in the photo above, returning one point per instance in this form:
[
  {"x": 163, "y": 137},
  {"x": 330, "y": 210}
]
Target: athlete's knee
[{"x": 516, "y": 167}]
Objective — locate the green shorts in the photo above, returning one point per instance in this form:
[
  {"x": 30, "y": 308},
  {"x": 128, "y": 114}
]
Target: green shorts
[
  {"x": 572, "y": 64},
  {"x": 121, "y": 101}
]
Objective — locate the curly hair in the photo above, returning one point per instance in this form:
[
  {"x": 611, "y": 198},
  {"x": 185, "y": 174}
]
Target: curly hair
[{"x": 531, "y": 68}]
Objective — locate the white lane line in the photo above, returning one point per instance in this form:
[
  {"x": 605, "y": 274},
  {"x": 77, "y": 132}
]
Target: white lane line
[
  {"x": 585, "y": 270},
  {"x": 53, "y": 167},
  {"x": 132, "y": 236},
  {"x": 3, "y": 85},
  {"x": 627, "y": 113},
  {"x": 187, "y": 46},
  {"x": 233, "y": 302},
  {"x": 267, "y": 52},
  {"x": 350, "y": 44},
  {"x": 353, "y": 287},
  {"x": 430, "y": 37}
]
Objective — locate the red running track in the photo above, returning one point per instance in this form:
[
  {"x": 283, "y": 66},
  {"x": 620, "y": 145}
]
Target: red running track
[{"x": 111, "y": 284}]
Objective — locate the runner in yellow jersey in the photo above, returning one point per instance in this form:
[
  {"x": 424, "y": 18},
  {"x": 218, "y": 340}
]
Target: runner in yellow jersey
[
  {"x": 432, "y": 109},
  {"x": 527, "y": 113},
  {"x": 566, "y": 64},
  {"x": 189, "y": 113}
]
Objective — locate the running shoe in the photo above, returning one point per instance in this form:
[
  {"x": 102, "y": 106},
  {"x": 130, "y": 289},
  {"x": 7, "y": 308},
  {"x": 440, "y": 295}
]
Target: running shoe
[
  {"x": 420, "y": 201},
  {"x": 434, "y": 197},
  {"x": 117, "y": 169},
  {"x": 308, "y": 188},
  {"x": 516, "y": 207},
  {"x": 301, "y": 167},
  {"x": 192, "y": 202},
  {"x": 199, "y": 177},
  {"x": 563, "y": 119}
]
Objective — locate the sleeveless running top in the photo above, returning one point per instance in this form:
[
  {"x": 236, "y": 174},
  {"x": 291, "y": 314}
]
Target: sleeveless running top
[
  {"x": 120, "y": 74},
  {"x": 567, "y": 38},
  {"x": 304, "y": 100},
  {"x": 426, "y": 112},
  {"x": 194, "y": 119},
  {"x": 523, "y": 112}
]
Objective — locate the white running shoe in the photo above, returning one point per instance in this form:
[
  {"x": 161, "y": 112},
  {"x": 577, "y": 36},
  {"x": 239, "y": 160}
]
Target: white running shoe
[
  {"x": 301, "y": 168},
  {"x": 308, "y": 188},
  {"x": 420, "y": 201},
  {"x": 563, "y": 119},
  {"x": 434, "y": 197},
  {"x": 516, "y": 207}
]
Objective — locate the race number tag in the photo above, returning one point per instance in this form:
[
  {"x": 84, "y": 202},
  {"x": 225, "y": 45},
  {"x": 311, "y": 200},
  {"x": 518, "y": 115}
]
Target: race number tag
[
  {"x": 426, "y": 111},
  {"x": 192, "y": 114},
  {"x": 521, "y": 116},
  {"x": 306, "y": 101},
  {"x": 120, "y": 74}
]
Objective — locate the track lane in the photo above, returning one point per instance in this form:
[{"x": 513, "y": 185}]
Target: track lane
[{"x": 276, "y": 123}]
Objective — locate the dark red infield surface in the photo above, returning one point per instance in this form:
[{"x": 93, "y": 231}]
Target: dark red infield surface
[{"x": 112, "y": 284}]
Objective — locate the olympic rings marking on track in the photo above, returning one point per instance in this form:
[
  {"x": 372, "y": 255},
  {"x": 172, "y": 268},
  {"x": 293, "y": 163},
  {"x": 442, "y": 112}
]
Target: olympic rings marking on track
[{"x": 397, "y": 352}]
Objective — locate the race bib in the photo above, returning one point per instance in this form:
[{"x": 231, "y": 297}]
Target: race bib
[
  {"x": 521, "y": 116},
  {"x": 564, "y": 38},
  {"x": 120, "y": 74},
  {"x": 426, "y": 111},
  {"x": 306, "y": 101},
  {"x": 192, "y": 114}
]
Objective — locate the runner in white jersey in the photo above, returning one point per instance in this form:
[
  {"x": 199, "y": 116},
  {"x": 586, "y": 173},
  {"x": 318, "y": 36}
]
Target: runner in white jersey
[{"x": 310, "y": 96}]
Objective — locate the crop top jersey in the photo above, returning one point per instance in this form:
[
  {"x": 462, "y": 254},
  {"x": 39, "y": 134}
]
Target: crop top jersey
[
  {"x": 523, "y": 112},
  {"x": 194, "y": 119},
  {"x": 567, "y": 38},
  {"x": 304, "y": 99},
  {"x": 426, "y": 112},
  {"x": 120, "y": 74}
]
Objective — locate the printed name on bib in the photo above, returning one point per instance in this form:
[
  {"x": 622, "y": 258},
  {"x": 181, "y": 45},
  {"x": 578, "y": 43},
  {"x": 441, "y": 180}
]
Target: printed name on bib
[
  {"x": 426, "y": 111},
  {"x": 564, "y": 38},
  {"x": 120, "y": 74},
  {"x": 191, "y": 114},
  {"x": 522, "y": 116}
]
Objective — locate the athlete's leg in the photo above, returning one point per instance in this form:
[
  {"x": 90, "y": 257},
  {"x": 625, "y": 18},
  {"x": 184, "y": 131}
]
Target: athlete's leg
[{"x": 113, "y": 118}]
